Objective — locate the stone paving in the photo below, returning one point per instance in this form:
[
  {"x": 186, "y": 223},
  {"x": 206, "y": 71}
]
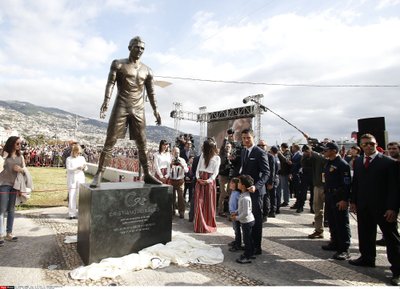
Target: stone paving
[{"x": 289, "y": 257}]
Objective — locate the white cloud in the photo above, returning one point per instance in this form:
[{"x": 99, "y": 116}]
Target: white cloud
[
  {"x": 387, "y": 4},
  {"x": 327, "y": 48},
  {"x": 130, "y": 6},
  {"x": 49, "y": 33}
]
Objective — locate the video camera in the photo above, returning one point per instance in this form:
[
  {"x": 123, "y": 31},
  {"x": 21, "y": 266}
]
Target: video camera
[{"x": 315, "y": 145}]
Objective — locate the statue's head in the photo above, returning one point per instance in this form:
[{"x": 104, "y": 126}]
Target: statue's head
[{"x": 135, "y": 41}]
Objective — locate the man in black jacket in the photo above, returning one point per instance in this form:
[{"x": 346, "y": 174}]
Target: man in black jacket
[
  {"x": 337, "y": 192},
  {"x": 269, "y": 199},
  {"x": 375, "y": 199},
  {"x": 284, "y": 158},
  {"x": 254, "y": 162}
]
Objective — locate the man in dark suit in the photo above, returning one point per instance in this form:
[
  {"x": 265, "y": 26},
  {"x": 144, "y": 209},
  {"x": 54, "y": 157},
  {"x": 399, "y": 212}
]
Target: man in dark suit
[
  {"x": 374, "y": 198},
  {"x": 269, "y": 199},
  {"x": 187, "y": 151},
  {"x": 295, "y": 175},
  {"x": 254, "y": 162}
]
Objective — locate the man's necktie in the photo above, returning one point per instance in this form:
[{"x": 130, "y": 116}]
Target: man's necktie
[
  {"x": 246, "y": 158},
  {"x": 367, "y": 161}
]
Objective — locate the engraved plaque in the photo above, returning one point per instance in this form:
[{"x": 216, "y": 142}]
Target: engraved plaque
[{"x": 117, "y": 219}]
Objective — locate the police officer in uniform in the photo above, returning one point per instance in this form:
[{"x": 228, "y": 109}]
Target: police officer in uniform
[{"x": 337, "y": 193}]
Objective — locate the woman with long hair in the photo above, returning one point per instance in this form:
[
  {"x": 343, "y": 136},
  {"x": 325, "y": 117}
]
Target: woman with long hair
[
  {"x": 13, "y": 164},
  {"x": 76, "y": 165},
  {"x": 162, "y": 162},
  {"x": 206, "y": 189}
]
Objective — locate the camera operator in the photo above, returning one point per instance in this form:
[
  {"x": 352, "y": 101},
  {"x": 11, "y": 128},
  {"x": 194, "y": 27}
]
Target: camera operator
[
  {"x": 318, "y": 162},
  {"x": 177, "y": 180},
  {"x": 315, "y": 144},
  {"x": 234, "y": 156}
]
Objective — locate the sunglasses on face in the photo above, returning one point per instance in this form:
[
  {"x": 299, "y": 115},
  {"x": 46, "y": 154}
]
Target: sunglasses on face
[{"x": 368, "y": 143}]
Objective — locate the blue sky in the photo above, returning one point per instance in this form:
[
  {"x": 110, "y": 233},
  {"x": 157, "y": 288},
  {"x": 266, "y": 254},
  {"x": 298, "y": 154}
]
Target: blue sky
[{"x": 57, "y": 54}]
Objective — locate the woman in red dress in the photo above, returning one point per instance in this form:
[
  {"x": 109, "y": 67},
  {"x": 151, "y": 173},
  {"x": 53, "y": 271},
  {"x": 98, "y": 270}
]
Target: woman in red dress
[{"x": 206, "y": 189}]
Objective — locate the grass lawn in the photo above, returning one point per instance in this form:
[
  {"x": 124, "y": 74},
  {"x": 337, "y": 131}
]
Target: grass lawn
[{"x": 50, "y": 188}]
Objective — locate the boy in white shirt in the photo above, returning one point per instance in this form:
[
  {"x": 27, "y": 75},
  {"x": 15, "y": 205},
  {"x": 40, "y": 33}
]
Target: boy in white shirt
[{"x": 246, "y": 218}]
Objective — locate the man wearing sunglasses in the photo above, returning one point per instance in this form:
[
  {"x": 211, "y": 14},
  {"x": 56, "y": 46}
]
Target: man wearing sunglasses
[{"x": 374, "y": 198}]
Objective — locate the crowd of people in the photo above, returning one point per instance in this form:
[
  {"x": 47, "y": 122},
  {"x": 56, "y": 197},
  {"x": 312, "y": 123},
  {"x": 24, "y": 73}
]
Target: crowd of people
[
  {"x": 255, "y": 180},
  {"x": 55, "y": 155},
  {"x": 248, "y": 183}
]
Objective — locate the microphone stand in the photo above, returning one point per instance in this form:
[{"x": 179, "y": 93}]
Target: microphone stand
[{"x": 267, "y": 109}]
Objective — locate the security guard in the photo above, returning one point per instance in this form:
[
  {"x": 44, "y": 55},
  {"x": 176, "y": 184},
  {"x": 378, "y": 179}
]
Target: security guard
[{"x": 337, "y": 192}]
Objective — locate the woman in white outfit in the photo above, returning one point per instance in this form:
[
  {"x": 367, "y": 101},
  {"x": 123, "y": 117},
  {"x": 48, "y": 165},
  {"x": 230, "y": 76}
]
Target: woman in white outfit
[
  {"x": 162, "y": 162},
  {"x": 76, "y": 165}
]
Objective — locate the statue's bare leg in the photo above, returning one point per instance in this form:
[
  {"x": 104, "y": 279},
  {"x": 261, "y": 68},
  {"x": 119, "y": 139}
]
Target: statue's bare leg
[{"x": 104, "y": 161}]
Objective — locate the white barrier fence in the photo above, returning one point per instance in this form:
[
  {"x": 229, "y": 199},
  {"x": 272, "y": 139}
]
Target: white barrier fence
[{"x": 114, "y": 175}]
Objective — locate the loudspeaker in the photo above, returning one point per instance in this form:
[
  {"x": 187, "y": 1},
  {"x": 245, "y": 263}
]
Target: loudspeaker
[{"x": 376, "y": 127}]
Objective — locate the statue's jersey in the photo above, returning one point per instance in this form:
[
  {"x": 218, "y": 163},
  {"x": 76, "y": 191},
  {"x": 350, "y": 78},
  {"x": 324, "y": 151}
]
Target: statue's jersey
[
  {"x": 128, "y": 111},
  {"x": 131, "y": 81}
]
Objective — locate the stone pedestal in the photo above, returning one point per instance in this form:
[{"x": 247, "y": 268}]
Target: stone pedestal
[{"x": 117, "y": 219}]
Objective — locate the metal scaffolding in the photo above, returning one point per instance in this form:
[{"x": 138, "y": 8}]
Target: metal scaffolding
[
  {"x": 178, "y": 114},
  {"x": 232, "y": 113}
]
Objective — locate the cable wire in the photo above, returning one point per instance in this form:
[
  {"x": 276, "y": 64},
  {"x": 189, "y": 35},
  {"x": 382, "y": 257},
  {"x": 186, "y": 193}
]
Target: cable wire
[{"x": 283, "y": 84}]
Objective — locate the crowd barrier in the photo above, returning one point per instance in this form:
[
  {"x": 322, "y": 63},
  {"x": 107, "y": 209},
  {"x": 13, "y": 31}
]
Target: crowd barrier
[{"x": 114, "y": 175}]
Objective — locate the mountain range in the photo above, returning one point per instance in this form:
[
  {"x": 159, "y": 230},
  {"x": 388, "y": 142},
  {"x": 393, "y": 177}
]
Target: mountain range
[{"x": 31, "y": 120}]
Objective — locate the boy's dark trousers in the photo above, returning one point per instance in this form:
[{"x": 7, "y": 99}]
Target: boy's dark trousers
[
  {"x": 238, "y": 233},
  {"x": 247, "y": 239}
]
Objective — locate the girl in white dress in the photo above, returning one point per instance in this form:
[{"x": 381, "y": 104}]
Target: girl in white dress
[{"x": 76, "y": 165}]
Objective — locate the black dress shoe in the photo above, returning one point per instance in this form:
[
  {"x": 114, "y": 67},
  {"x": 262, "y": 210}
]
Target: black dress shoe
[
  {"x": 362, "y": 262},
  {"x": 271, "y": 215},
  {"x": 294, "y": 206},
  {"x": 395, "y": 281},
  {"x": 341, "y": 256},
  {"x": 257, "y": 252},
  {"x": 299, "y": 210},
  {"x": 243, "y": 260},
  {"x": 234, "y": 249},
  {"x": 329, "y": 247},
  {"x": 277, "y": 212},
  {"x": 284, "y": 204}
]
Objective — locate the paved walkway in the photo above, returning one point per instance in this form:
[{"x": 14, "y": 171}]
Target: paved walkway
[{"x": 40, "y": 257}]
